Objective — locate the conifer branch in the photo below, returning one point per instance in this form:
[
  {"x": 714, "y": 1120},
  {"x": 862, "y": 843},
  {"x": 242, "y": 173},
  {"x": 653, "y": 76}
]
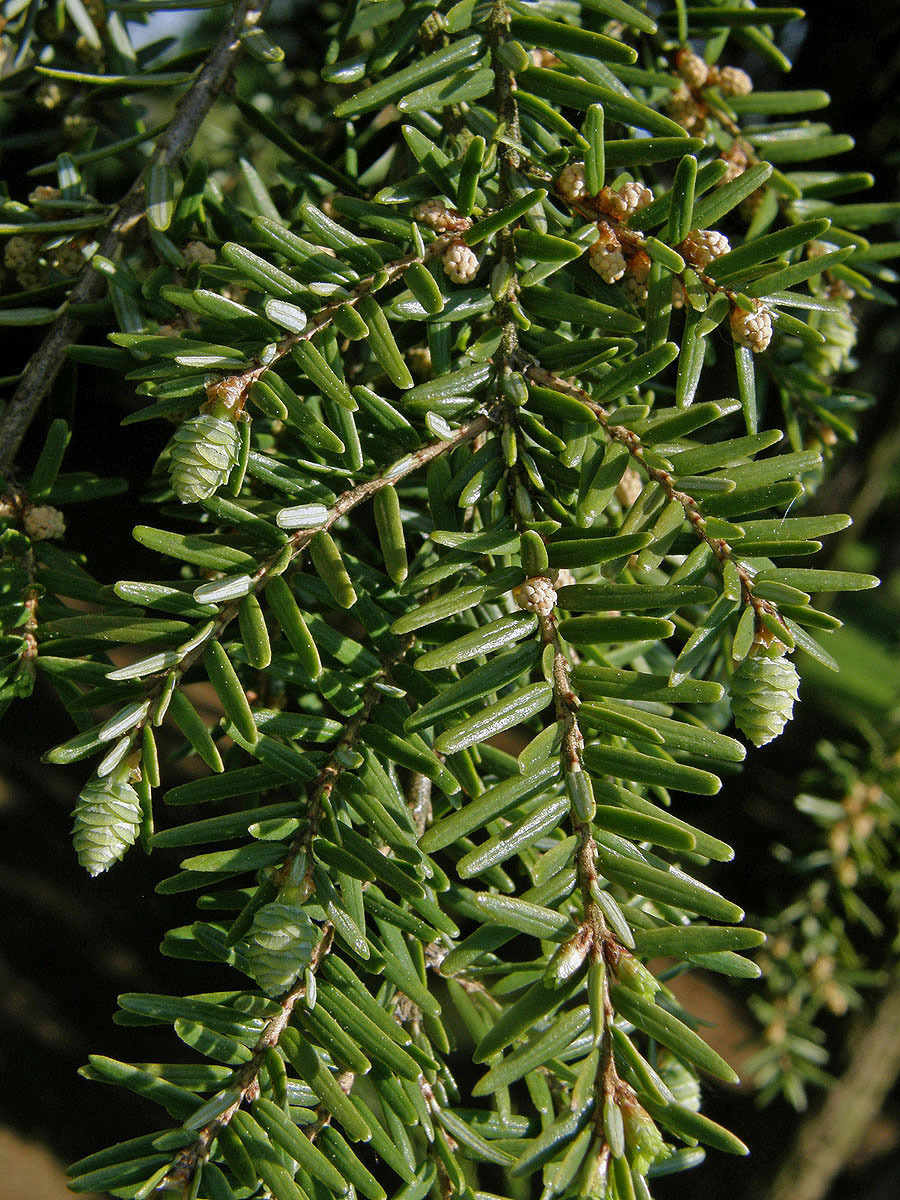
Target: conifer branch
[
  {"x": 322, "y": 700},
  {"x": 191, "y": 110},
  {"x": 233, "y": 388},
  {"x": 275, "y": 564},
  {"x": 719, "y": 546},
  {"x": 246, "y": 1079}
]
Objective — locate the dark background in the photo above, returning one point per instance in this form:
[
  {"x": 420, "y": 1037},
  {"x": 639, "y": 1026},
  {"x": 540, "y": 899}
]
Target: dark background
[{"x": 71, "y": 944}]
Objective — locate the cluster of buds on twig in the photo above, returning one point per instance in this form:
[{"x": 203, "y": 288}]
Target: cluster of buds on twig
[
  {"x": 615, "y": 259},
  {"x": 612, "y": 256},
  {"x": 459, "y": 261},
  {"x": 437, "y": 216},
  {"x": 622, "y": 202},
  {"x": 687, "y": 105},
  {"x": 619, "y": 203},
  {"x": 697, "y": 73}
]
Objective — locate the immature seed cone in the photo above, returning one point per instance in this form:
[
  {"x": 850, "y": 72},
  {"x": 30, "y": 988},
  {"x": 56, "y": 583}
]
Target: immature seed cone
[
  {"x": 202, "y": 452},
  {"x": 279, "y": 946},
  {"x": 763, "y": 691},
  {"x": 107, "y": 820}
]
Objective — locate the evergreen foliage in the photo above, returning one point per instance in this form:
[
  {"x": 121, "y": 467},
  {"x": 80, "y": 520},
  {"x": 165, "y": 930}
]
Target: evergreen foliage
[{"x": 474, "y": 396}]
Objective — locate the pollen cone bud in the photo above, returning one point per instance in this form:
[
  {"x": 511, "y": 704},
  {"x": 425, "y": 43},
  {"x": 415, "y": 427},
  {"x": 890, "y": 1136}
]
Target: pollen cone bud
[
  {"x": 763, "y": 691},
  {"x": 571, "y": 183}
]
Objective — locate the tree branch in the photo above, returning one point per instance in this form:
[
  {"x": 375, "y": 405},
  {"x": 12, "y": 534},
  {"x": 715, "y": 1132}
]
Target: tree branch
[
  {"x": 44, "y": 365},
  {"x": 826, "y": 1141},
  {"x": 273, "y": 565},
  {"x": 721, "y": 549}
]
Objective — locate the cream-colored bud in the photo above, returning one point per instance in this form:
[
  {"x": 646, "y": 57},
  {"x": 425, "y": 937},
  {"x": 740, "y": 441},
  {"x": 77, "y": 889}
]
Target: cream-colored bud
[
  {"x": 752, "y": 330},
  {"x": 537, "y": 595},
  {"x": 701, "y": 246},
  {"x": 607, "y": 262},
  {"x": 432, "y": 213},
  {"x": 43, "y": 521},
  {"x": 571, "y": 183},
  {"x": 460, "y": 263},
  {"x": 692, "y": 68},
  {"x": 733, "y": 81}
]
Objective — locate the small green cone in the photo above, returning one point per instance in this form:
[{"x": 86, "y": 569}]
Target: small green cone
[
  {"x": 202, "y": 452},
  {"x": 107, "y": 821},
  {"x": 279, "y": 946},
  {"x": 763, "y": 691}
]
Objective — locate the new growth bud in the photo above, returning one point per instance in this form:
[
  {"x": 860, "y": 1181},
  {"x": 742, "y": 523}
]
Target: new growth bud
[
  {"x": 571, "y": 183},
  {"x": 537, "y": 595},
  {"x": 460, "y": 263},
  {"x": 752, "y": 330}
]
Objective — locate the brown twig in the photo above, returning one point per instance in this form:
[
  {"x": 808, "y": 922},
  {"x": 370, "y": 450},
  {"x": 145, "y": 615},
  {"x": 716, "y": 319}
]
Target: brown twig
[
  {"x": 275, "y": 565},
  {"x": 45, "y": 363},
  {"x": 720, "y": 547},
  {"x": 233, "y": 388}
]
